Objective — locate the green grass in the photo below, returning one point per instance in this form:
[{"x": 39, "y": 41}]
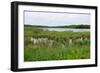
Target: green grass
[{"x": 41, "y": 52}]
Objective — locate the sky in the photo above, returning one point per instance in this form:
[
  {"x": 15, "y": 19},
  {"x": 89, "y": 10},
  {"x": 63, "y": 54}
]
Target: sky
[{"x": 55, "y": 19}]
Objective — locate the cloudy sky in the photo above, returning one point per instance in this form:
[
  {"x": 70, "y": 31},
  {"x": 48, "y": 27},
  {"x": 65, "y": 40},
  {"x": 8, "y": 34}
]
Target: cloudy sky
[{"x": 55, "y": 19}]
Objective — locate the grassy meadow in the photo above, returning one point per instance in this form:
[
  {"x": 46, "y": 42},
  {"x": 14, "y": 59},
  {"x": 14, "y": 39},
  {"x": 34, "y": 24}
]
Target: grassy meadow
[{"x": 40, "y": 45}]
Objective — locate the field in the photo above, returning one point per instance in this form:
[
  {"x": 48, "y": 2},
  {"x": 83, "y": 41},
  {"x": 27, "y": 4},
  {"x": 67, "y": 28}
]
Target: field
[{"x": 40, "y": 45}]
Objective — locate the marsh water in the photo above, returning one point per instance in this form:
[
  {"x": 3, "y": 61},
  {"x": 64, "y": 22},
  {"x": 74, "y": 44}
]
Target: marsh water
[{"x": 66, "y": 29}]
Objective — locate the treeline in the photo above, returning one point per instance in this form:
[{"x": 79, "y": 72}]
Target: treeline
[
  {"x": 81, "y": 26},
  {"x": 78, "y": 26}
]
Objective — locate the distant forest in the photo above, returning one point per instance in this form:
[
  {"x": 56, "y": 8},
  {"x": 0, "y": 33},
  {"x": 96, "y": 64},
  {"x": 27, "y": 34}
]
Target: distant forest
[{"x": 81, "y": 26}]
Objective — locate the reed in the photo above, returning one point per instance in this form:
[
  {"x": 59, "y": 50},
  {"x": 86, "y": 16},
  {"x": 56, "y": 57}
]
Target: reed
[{"x": 58, "y": 46}]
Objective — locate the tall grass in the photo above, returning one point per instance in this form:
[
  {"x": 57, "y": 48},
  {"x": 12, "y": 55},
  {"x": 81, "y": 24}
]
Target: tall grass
[{"x": 60, "y": 50}]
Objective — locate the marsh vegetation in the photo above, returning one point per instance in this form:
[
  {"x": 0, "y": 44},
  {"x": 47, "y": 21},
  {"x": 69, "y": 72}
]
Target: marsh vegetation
[{"x": 42, "y": 45}]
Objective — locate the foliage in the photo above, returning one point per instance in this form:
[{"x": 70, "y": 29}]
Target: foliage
[{"x": 60, "y": 50}]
